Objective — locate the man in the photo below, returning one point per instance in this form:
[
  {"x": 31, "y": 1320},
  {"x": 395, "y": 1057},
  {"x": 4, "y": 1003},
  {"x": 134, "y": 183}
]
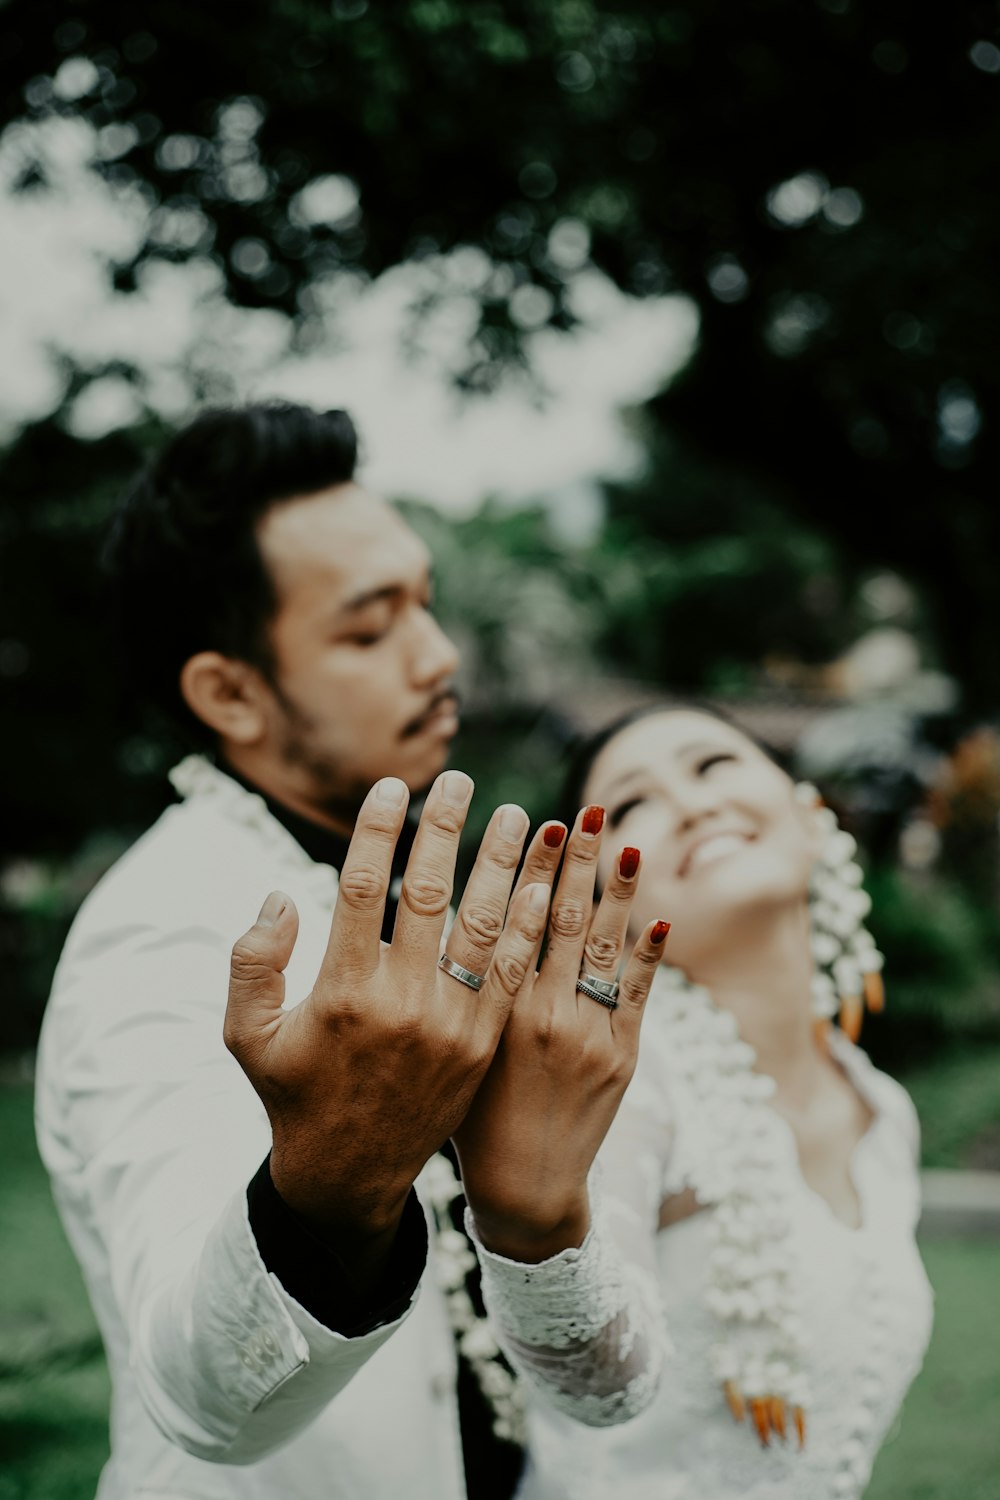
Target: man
[{"x": 253, "y": 1255}]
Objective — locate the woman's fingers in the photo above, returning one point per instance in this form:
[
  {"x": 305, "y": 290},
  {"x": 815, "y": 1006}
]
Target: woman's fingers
[
  {"x": 356, "y": 930},
  {"x": 573, "y": 902},
  {"x": 542, "y": 859},
  {"x": 513, "y": 962},
  {"x": 480, "y": 918},
  {"x": 602, "y": 952},
  {"x": 638, "y": 976}
]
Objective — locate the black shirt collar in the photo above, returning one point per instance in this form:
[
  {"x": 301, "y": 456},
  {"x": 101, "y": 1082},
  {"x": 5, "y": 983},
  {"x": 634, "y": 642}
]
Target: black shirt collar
[{"x": 328, "y": 848}]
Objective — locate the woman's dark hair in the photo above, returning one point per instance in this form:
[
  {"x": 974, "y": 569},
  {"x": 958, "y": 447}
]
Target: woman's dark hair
[
  {"x": 182, "y": 555},
  {"x": 584, "y": 751}
]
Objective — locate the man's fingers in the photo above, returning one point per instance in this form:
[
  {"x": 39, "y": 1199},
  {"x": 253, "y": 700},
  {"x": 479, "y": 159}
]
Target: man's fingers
[
  {"x": 602, "y": 952},
  {"x": 430, "y": 874},
  {"x": 480, "y": 919},
  {"x": 638, "y": 976},
  {"x": 514, "y": 957},
  {"x": 257, "y": 970},
  {"x": 356, "y": 930}
]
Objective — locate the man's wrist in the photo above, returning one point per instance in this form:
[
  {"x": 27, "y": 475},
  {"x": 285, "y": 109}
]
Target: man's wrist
[
  {"x": 333, "y": 1212},
  {"x": 345, "y": 1283}
]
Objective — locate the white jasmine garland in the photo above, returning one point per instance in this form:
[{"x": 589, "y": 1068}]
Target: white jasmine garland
[
  {"x": 740, "y": 1161},
  {"x": 454, "y": 1258}
]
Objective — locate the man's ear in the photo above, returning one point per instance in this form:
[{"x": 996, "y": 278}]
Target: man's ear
[{"x": 226, "y": 694}]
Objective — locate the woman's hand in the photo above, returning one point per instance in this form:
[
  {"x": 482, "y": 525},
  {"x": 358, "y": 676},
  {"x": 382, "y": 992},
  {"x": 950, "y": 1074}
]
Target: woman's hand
[{"x": 563, "y": 1062}]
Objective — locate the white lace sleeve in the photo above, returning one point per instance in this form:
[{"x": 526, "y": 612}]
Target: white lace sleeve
[{"x": 584, "y": 1329}]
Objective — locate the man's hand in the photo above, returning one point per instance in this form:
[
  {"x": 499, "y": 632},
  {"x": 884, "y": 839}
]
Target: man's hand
[
  {"x": 564, "y": 1061},
  {"x": 367, "y": 1077}
]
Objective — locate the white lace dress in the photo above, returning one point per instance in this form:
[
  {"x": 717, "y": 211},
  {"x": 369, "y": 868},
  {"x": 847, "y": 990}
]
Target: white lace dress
[{"x": 613, "y": 1340}]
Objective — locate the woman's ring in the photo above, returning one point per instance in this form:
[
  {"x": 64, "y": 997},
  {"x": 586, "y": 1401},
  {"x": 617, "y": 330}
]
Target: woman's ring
[{"x": 604, "y": 991}]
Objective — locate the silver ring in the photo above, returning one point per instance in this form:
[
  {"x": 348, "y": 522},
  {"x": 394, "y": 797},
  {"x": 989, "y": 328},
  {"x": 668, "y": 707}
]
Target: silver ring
[
  {"x": 607, "y": 987},
  {"x": 464, "y": 976},
  {"x": 608, "y": 1001}
]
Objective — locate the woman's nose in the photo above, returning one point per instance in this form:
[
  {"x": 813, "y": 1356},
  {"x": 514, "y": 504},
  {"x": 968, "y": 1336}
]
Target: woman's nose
[{"x": 694, "y": 805}]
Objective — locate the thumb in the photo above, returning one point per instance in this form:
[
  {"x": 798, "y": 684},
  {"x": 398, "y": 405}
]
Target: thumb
[{"x": 257, "y": 970}]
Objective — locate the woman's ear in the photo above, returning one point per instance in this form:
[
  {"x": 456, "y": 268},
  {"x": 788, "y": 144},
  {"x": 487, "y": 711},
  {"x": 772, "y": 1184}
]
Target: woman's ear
[
  {"x": 808, "y": 804},
  {"x": 226, "y": 694}
]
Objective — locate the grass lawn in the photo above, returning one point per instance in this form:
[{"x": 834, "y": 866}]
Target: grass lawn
[{"x": 54, "y": 1389}]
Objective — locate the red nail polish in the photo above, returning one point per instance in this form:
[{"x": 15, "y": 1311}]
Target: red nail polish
[
  {"x": 593, "y": 820},
  {"x": 659, "y": 933},
  {"x": 553, "y": 836},
  {"x": 629, "y": 863}
]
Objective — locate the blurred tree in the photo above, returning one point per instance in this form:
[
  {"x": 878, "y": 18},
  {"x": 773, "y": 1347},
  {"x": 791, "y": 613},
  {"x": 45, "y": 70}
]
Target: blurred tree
[{"x": 818, "y": 175}]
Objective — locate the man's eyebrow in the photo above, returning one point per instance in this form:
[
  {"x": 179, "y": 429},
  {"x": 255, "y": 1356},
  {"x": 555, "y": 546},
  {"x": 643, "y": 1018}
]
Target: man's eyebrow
[{"x": 388, "y": 592}]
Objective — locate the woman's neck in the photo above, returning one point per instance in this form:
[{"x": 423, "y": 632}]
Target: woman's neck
[{"x": 764, "y": 979}]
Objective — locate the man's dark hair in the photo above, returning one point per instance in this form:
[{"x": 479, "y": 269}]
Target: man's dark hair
[{"x": 182, "y": 554}]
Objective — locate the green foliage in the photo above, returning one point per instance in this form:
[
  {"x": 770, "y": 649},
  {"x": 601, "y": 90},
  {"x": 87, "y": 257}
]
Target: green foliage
[
  {"x": 54, "y": 1386},
  {"x": 958, "y": 1101},
  {"x": 946, "y": 1443},
  {"x": 53, "y": 1381},
  {"x": 781, "y": 164},
  {"x": 942, "y": 967}
]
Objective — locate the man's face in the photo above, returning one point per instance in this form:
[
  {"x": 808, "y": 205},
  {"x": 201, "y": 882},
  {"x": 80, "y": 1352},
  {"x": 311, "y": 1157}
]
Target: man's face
[{"x": 362, "y": 679}]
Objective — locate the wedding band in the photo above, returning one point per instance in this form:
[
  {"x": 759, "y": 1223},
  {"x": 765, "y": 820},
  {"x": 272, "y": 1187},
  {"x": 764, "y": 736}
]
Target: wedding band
[
  {"x": 607, "y": 987},
  {"x": 608, "y": 1001},
  {"x": 464, "y": 976}
]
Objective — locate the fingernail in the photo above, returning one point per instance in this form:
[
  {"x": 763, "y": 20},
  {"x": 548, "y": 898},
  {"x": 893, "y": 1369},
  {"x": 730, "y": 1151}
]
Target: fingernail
[
  {"x": 538, "y": 897},
  {"x": 513, "y": 823},
  {"x": 271, "y": 910},
  {"x": 659, "y": 933},
  {"x": 553, "y": 836},
  {"x": 391, "y": 791},
  {"x": 629, "y": 863},
  {"x": 456, "y": 788},
  {"x": 593, "y": 822}
]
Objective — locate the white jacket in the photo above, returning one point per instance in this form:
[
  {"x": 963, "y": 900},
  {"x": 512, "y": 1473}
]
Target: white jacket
[{"x": 223, "y": 1385}]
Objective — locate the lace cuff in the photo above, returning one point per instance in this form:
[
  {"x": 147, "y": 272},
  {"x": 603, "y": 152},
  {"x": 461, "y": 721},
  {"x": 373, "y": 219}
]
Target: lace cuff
[{"x": 580, "y": 1328}]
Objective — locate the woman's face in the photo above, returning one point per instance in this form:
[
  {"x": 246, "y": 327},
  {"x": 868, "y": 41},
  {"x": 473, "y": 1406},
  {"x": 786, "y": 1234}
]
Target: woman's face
[{"x": 722, "y": 836}]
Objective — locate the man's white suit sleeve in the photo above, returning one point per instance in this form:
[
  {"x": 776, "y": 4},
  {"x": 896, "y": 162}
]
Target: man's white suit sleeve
[{"x": 152, "y": 1134}]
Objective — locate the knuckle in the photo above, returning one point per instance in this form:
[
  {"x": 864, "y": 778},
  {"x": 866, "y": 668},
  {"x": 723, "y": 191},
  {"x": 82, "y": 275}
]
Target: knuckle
[
  {"x": 362, "y": 887},
  {"x": 247, "y": 966},
  {"x": 601, "y": 951},
  {"x": 569, "y": 919},
  {"x": 583, "y": 852},
  {"x": 510, "y": 971},
  {"x": 619, "y": 1074},
  {"x": 427, "y": 895},
  {"x": 505, "y": 856},
  {"x": 447, "y": 820},
  {"x": 482, "y": 925},
  {"x": 635, "y": 987}
]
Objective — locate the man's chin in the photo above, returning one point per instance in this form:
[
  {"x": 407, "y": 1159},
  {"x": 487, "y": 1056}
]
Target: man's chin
[{"x": 420, "y": 778}]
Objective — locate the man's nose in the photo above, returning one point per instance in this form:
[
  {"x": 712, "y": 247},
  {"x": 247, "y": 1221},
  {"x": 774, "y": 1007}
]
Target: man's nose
[{"x": 435, "y": 654}]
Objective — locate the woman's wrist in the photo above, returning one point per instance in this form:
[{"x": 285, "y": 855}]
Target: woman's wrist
[{"x": 532, "y": 1239}]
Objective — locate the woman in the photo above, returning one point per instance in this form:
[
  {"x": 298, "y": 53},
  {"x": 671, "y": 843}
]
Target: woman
[{"x": 760, "y": 1181}]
